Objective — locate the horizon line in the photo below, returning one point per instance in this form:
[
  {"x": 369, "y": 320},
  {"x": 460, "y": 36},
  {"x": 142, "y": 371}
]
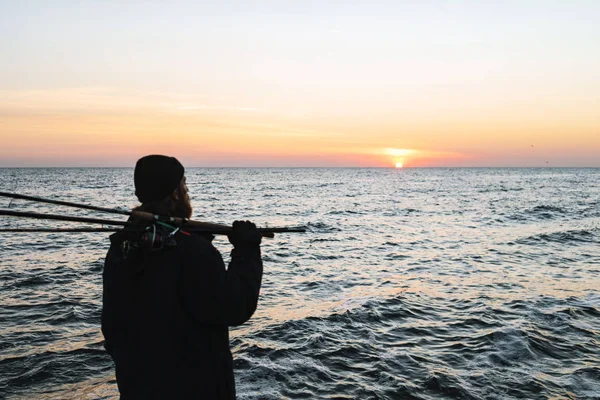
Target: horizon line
[{"x": 311, "y": 167}]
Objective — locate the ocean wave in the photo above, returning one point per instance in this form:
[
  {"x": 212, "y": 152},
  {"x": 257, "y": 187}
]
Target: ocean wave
[
  {"x": 319, "y": 240},
  {"x": 570, "y": 237},
  {"x": 31, "y": 281},
  {"x": 321, "y": 227},
  {"x": 344, "y": 212},
  {"x": 539, "y": 212},
  {"x": 372, "y": 339},
  {"x": 401, "y": 212},
  {"x": 49, "y": 368},
  {"x": 501, "y": 189}
]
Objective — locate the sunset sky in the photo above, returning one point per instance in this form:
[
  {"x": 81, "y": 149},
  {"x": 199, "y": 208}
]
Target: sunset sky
[{"x": 301, "y": 83}]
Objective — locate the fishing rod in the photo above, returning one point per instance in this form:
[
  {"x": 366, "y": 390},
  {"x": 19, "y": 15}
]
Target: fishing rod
[
  {"x": 188, "y": 225},
  {"x": 34, "y": 215},
  {"x": 264, "y": 231},
  {"x": 145, "y": 216},
  {"x": 63, "y": 203},
  {"x": 142, "y": 215},
  {"x": 62, "y": 230}
]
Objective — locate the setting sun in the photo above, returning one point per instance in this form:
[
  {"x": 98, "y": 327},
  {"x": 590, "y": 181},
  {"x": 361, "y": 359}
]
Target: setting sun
[{"x": 398, "y": 165}]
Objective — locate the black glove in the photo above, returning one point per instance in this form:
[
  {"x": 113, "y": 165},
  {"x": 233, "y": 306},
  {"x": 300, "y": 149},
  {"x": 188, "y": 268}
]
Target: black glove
[{"x": 244, "y": 234}]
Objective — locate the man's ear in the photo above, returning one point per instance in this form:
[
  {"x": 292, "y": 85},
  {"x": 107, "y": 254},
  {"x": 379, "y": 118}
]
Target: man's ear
[{"x": 175, "y": 195}]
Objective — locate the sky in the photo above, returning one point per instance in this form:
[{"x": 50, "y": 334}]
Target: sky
[{"x": 427, "y": 83}]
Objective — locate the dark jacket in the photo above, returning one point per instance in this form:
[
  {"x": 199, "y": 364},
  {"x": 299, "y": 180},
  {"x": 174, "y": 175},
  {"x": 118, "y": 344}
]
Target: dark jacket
[{"x": 166, "y": 315}]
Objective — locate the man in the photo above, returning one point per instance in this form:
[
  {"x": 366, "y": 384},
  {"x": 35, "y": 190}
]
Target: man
[{"x": 168, "y": 300}]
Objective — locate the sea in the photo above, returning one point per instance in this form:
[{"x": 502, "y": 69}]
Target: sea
[{"x": 432, "y": 283}]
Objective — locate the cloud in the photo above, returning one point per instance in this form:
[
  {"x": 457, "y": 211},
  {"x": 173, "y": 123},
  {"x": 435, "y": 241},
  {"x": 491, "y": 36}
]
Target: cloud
[
  {"x": 103, "y": 99},
  {"x": 192, "y": 107}
]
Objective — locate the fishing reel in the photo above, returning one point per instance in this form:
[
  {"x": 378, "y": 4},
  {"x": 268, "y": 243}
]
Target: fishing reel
[{"x": 155, "y": 237}]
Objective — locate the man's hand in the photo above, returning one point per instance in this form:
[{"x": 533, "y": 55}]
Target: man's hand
[{"x": 244, "y": 234}]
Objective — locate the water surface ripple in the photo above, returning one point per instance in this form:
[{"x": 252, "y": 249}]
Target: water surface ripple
[{"x": 410, "y": 284}]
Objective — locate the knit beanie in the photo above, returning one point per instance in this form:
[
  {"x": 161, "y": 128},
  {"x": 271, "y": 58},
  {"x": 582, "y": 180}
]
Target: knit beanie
[{"x": 156, "y": 177}]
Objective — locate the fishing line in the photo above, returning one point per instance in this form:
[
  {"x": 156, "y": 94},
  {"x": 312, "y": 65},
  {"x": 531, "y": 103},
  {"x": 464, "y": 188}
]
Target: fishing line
[
  {"x": 16, "y": 182},
  {"x": 15, "y": 188}
]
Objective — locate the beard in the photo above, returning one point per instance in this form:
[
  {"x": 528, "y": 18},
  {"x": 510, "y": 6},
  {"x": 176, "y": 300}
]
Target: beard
[{"x": 183, "y": 207}]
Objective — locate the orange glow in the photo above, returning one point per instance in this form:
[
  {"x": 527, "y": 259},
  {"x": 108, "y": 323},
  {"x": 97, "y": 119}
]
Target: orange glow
[
  {"x": 399, "y": 152},
  {"x": 97, "y": 127}
]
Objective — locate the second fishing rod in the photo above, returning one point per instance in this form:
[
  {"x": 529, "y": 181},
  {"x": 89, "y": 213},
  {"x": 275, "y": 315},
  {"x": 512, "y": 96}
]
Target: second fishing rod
[{"x": 183, "y": 223}]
